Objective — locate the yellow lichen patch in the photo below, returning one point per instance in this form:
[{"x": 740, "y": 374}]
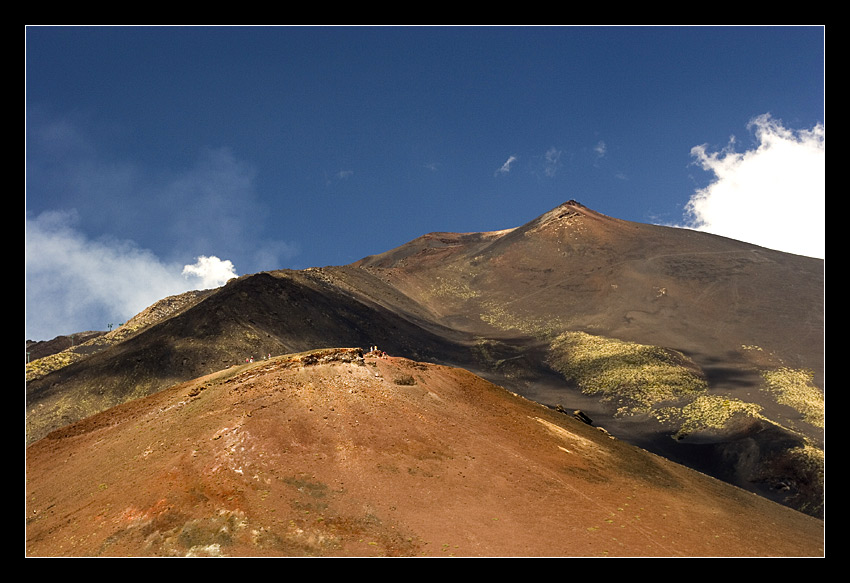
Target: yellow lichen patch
[
  {"x": 794, "y": 387},
  {"x": 634, "y": 377}
]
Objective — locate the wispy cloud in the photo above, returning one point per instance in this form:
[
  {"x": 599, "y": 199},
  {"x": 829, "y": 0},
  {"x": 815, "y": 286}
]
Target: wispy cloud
[
  {"x": 552, "y": 161},
  {"x": 506, "y": 167},
  {"x": 772, "y": 195},
  {"x": 73, "y": 283},
  {"x": 123, "y": 236},
  {"x": 547, "y": 164},
  {"x": 209, "y": 206},
  {"x": 337, "y": 177},
  {"x": 601, "y": 149}
]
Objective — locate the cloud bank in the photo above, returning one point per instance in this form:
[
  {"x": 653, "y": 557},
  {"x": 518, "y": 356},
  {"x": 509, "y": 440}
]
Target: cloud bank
[
  {"x": 79, "y": 284},
  {"x": 106, "y": 236},
  {"x": 772, "y": 195}
]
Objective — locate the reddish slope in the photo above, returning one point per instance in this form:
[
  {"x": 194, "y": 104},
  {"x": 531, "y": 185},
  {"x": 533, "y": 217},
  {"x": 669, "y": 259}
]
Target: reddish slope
[{"x": 333, "y": 457}]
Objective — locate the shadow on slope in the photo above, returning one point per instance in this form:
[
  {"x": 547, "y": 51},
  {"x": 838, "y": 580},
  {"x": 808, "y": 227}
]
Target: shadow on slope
[{"x": 251, "y": 317}]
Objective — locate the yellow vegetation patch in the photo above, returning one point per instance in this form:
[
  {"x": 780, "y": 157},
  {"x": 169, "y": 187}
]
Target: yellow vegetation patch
[
  {"x": 634, "y": 377},
  {"x": 42, "y": 366},
  {"x": 453, "y": 288},
  {"x": 499, "y": 317},
  {"x": 794, "y": 387},
  {"x": 707, "y": 412}
]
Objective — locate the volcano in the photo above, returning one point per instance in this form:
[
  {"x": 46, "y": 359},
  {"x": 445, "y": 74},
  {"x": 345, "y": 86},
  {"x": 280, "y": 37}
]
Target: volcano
[{"x": 702, "y": 350}]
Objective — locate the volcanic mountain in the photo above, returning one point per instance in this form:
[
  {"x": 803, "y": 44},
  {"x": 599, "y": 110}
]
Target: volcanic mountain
[{"x": 701, "y": 349}]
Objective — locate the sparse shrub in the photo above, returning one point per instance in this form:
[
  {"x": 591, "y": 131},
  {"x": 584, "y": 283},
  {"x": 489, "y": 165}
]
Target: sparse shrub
[{"x": 405, "y": 380}]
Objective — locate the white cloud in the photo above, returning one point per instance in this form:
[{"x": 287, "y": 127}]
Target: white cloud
[
  {"x": 74, "y": 284},
  {"x": 506, "y": 167},
  {"x": 772, "y": 195},
  {"x": 210, "y": 272}
]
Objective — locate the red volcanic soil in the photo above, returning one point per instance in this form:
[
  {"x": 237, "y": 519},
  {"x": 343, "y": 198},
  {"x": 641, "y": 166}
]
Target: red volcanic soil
[{"x": 329, "y": 454}]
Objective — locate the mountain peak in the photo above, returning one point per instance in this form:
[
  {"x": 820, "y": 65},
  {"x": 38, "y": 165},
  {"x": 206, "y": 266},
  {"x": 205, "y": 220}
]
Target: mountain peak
[{"x": 569, "y": 209}]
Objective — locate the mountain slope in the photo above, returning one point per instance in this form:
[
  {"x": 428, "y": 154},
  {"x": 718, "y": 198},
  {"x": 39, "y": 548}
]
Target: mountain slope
[
  {"x": 326, "y": 453},
  {"x": 743, "y": 315},
  {"x": 573, "y": 268}
]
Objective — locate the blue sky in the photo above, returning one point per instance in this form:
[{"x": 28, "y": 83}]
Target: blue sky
[{"x": 161, "y": 159}]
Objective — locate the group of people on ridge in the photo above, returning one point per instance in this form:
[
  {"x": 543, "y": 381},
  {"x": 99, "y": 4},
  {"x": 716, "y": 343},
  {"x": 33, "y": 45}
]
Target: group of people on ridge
[{"x": 373, "y": 351}]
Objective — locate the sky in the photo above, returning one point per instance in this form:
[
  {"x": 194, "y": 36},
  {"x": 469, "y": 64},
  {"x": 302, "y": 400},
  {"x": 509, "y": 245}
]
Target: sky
[{"x": 165, "y": 159}]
